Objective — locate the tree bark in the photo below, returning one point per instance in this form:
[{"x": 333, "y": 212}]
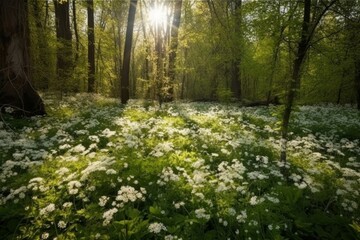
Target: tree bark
[
  {"x": 357, "y": 82},
  {"x": 125, "y": 71},
  {"x": 41, "y": 78},
  {"x": 16, "y": 91},
  {"x": 64, "y": 50},
  {"x": 77, "y": 40},
  {"x": 174, "y": 42},
  {"x": 307, "y": 32},
  {"x": 91, "y": 47},
  {"x": 236, "y": 62},
  {"x": 302, "y": 48}
]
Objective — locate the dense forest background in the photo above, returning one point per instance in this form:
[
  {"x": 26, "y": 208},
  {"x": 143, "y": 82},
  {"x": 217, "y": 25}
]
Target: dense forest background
[{"x": 224, "y": 50}]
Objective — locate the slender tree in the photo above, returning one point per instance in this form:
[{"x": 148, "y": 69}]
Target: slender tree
[
  {"x": 236, "y": 61},
  {"x": 307, "y": 32},
  {"x": 91, "y": 46},
  {"x": 174, "y": 42},
  {"x": 76, "y": 32},
  {"x": 125, "y": 71},
  {"x": 16, "y": 90}
]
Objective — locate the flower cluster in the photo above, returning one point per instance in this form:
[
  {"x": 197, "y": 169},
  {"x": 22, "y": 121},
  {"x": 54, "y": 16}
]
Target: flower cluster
[{"x": 156, "y": 227}]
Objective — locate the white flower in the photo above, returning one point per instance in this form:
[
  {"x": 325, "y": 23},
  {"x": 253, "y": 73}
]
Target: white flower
[
  {"x": 67, "y": 204},
  {"x": 254, "y": 200},
  {"x": 45, "y": 235},
  {"x": 78, "y": 148},
  {"x": 162, "y": 148},
  {"x": 178, "y": 205},
  {"x": 48, "y": 209},
  {"x": 242, "y": 217},
  {"x": 103, "y": 200},
  {"x": 201, "y": 213},
  {"x": 94, "y": 138},
  {"x": 73, "y": 187},
  {"x": 110, "y": 172},
  {"x": 156, "y": 227},
  {"x": 62, "y": 171},
  {"x": 107, "y": 133},
  {"x": 62, "y": 224},
  {"x": 108, "y": 216},
  {"x": 167, "y": 174},
  {"x": 231, "y": 211},
  {"x": 9, "y": 110},
  {"x": 129, "y": 194}
]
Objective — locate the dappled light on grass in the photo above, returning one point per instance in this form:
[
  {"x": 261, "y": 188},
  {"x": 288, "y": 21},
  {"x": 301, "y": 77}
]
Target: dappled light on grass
[{"x": 185, "y": 171}]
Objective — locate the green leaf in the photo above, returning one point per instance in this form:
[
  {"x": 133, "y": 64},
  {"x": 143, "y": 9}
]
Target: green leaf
[
  {"x": 155, "y": 210},
  {"x": 133, "y": 213}
]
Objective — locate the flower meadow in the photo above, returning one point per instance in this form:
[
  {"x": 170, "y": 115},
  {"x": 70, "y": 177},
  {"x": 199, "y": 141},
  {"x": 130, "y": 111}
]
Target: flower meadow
[{"x": 94, "y": 169}]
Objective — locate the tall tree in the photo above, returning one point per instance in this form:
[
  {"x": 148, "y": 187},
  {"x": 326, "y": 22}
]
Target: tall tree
[
  {"x": 125, "y": 71},
  {"x": 352, "y": 29},
  {"x": 16, "y": 90},
  {"x": 174, "y": 42},
  {"x": 236, "y": 61},
  {"x": 41, "y": 72},
  {"x": 307, "y": 32},
  {"x": 91, "y": 46},
  {"x": 76, "y": 32},
  {"x": 64, "y": 50}
]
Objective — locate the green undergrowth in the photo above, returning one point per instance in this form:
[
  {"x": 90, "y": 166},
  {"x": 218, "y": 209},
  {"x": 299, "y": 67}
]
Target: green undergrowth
[{"x": 95, "y": 169}]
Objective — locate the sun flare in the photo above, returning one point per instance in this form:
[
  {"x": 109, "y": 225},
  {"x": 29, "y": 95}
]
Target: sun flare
[{"x": 158, "y": 16}]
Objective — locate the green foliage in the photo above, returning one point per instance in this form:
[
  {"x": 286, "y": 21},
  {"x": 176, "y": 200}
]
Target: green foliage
[
  {"x": 96, "y": 170},
  {"x": 224, "y": 95}
]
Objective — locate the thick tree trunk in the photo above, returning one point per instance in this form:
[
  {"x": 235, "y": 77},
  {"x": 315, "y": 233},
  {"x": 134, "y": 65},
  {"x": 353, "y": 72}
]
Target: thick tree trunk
[
  {"x": 64, "y": 51},
  {"x": 174, "y": 41},
  {"x": 16, "y": 91},
  {"x": 91, "y": 46},
  {"x": 125, "y": 71}
]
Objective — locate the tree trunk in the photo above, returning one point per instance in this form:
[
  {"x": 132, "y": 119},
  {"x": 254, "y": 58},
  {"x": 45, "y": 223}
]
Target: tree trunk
[
  {"x": 174, "y": 41},
  {"x": 41, "y": 77},
  {"x": 296, "y": 76},
  {"x": 16, "y": 92},
  {"x": 64, "y": 50},
  {"x": 125, "y": 71},
  {"x": 77, "y": 40},
  {"x": 357, "y": 82},
  {"x": 307, "y": 32},
  {"x": 91, "y": 47},
  {"x": 236, "y": 62},
  {"x": 159, "y": 77}
]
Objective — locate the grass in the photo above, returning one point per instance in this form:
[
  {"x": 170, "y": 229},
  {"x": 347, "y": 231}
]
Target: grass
[{"x": 94, "y": 169}]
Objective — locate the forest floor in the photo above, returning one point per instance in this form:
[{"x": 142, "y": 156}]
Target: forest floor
[{"x": 94, "y": 169}]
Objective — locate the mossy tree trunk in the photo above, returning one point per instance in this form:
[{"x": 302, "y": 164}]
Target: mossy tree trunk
[{"x": 17, "y": 95}]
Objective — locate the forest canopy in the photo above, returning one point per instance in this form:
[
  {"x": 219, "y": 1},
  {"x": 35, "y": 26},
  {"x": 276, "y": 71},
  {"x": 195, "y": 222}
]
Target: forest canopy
[{"x": 195, "y": 49}]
